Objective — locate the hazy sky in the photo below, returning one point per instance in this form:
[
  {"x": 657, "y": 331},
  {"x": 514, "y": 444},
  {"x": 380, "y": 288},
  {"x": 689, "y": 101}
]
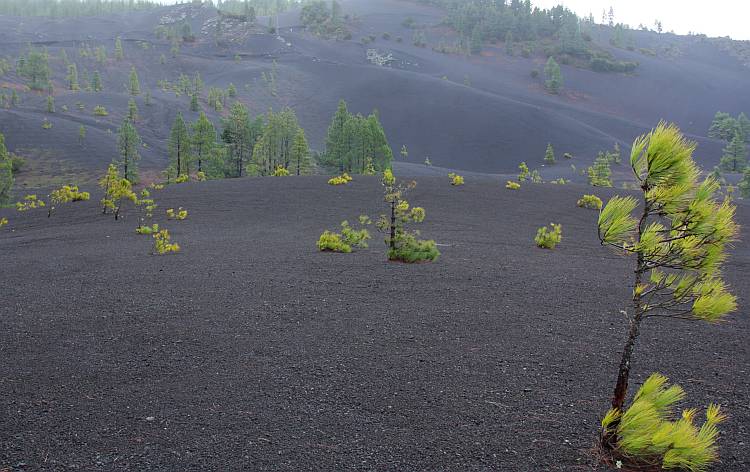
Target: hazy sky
[{"x": 713, "y": 18}]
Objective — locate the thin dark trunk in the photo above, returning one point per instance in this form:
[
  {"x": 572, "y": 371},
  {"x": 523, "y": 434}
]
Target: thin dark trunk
[
  {"x": 393, "y": 225},
  {"x": 623, "y": 374}
]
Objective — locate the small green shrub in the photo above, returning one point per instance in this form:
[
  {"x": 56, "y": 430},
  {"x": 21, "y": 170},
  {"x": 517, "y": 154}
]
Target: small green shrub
[
  {"x": 100, "y": 111},
  {"x": 591, "y": 202},
  {"x": 163, "y": 244},
  {"x": 143, "y": 229},
  {"x": 179, "y": 214},
  {"x": 66, "y": 194},
  {"x": 29, "y": 202},
  {"x": 181, "y": 179},
  {"x": 510, "y": 185},
  {"x": 456, "y": 179},
  {"x": 560, "y": 181},
  {"x": 548, "y": 239},
  {"x": 3, "y": 222},
  {"x": 342, "y": 179},
  {"x": 280, "y": 171},
  {"x": 348, "y": 239},
  {"x": 411, "y": 250},
  {"x": 524, "y": 172},
  {"x": 647, "y": 435}
]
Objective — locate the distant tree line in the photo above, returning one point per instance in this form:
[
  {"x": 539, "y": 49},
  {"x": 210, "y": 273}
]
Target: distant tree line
[
  {"x": 736, "y": 132},
  {"x": 323, "y": 20},
  {"x": 68, "y": 8}
]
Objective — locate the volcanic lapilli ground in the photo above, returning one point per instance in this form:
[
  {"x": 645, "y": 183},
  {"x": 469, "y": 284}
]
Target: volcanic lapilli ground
[{"x": 250, "y": 349}]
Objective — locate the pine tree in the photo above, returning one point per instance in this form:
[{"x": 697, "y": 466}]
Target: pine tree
[
  {"x": 6, "y": 173},
  {"x": 232, "y": 91},
  {"x": 128, "y": 144},
  {"x": 132, "y": 110},
  {"x": 722, "y": 127},
  {"x": 678, "y": 240},
  {"x": 381, "y": 154},
  {"x": 404, "y": 152},
  {"x": 301, "y": 162},
  {"x": 81, "y": 134},
  {"x": 735, "y": 154},
  {"x": 476, "y": 40},
  {"x": 743, "y": 124},
  {"x": 238, "y": 136},
  {"x": 35, "y": 67},
  {"x": 119, "y": 53},
  {"x": 744, "y": 184},
  {"x": 73, "y": 77},
  {"x": 134, "y": 85},
  {"x": 96, "y": 83},
  {"x": 549, "y": 155},
  {"x": 50, "y": 104},
  {"x": 554, "y": 77},
  {"x": 194, "y": 105},
  {"x": 203, "y": 139},
  {"x": 178, "y": 147},
  {"x": 509, "y": 43},
  {"x": 274, "y": 146},
  {"x": 335, "y": 144}
]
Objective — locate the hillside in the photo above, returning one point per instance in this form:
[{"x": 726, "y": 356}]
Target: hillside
[
  {"x": 481, "y": 113},
  {"x": 252, "y": 350}
]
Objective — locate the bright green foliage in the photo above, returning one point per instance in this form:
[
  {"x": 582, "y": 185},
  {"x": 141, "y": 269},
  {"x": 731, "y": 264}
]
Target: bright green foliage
[
  {"x": 403, "y": 244},
  {"x": 134, "y": 85},
  {"x": 348, "y": 239},
  {"x": 648, "y": 432},
  {"x": 153, "y": 229},
  {"x": 744, "y": 184},
  {"x": 163, "y": 244},
  {"x": 34, "y": 66},
  {"x": 554, "y": 77},
  {"x": 342, "y": 179},
  {"x": 682, "y": 229},
  {"x": 81, "y": 133},
  {"x": 147, "y": 205},
  {"x": 128, "y": 143},
  {"x": 600, "y": 174},
  {"x": 280, "y": 171},
  {"x": 50, "y": 104},
  {"x": 132, "y": 110},
  {"x": 46, "y": 124},
  {"x": 203, "y": 140},
  {"x": 72, "y": 77},
  {"x": 179, "y": 214},
  {"x": 116, "y": 189},
  {"x": 30, "y": 202},
  {"x": 3, "y": 222},
  {"x": 353, "y": 140},
  {"x": 119, "y": 53},
  {"x": 524, "y": 174},
  {"x": 591, "y": 202},
  {"x": 455, "y": 179},
  {"x": 6, "y": 173},
  {"x": 735, "y": 154},
  {"x": 510, "y": 185},
  {"x": 200, "y": 176},
  {"x": 100, "y": 111},
  {"x": 66, "y": 194},
  {"x": 181, "y": 179},
  {"x": 549, "y": 155},
  {"x": 548, "y": 238}
]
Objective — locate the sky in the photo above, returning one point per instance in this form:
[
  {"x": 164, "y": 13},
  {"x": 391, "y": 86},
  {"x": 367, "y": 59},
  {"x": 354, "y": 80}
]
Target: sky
[{"x": 714, "y": 18}]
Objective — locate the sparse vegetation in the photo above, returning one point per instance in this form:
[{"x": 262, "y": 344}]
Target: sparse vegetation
[
  {"x": 591, "y": 202},
  {"x": 65, "y": 194},
  {"x": 30, "y": 202},
  {"x": 163, "y": 243},
  {"x": 548, "y": 238},
  {"x": 600, "y": 174},
  {"x": 179, "y": 214},
  {"x": 342, "y": 179},
  {"x": 456, "y": 180},
  {"x": 549, "y": 155},
  {"x": 511, "y": 185},
  {"x": 403, "y": 244},
  {"x": 347, "y": 240}
]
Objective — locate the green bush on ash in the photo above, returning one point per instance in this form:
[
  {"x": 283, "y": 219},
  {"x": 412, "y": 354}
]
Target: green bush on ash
[
  {"x": 6, "y": 174},
  {"x": 403, "y": 244},
  {"x": 549, "y": 155},
  {"x": 34, "y": 66},
  {"x": 600, "y": 174},
  {"x": 323, "y": 21},
  {"x": 548, "y": 238},
  {"x": 348, "y": 239},
  {"x": 592, "y": 202},
  {"x": 678, "y": 238}
]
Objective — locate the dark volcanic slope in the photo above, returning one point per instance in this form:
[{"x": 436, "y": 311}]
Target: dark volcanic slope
[
  {"x": 252, "y": 350},
  {"x": 481, "y": 113}
]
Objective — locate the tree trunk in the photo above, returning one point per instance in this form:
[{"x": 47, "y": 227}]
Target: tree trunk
[{"x": 393, "y": 225}]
